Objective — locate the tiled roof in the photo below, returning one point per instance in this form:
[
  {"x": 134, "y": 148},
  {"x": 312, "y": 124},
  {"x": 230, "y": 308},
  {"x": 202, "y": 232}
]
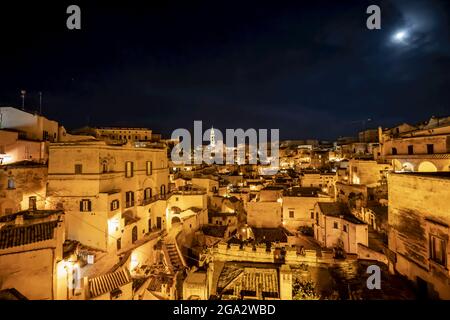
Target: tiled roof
[
  {"x": 13, "y": 236},
  {"x": 30, "y": 215},
  {"x": 337, "y": 209},
  {"x": 249, "y": 281},
  {"x": 214, "y": 230},
  {"x": 11, "y": 294},
  {"x": 270, "y": 235},
  {"x": 108, "y": 282},
  {"x": 302, "y": 192},
  {"x": 221, "y": 214}
]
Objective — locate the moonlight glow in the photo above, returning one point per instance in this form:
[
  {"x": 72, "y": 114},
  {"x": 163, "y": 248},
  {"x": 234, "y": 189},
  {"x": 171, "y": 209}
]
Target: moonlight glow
[{"x": 400, "y": 36}]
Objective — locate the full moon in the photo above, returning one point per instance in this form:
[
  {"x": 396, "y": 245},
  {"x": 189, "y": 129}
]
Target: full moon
[{"x": 400, "y": 36}]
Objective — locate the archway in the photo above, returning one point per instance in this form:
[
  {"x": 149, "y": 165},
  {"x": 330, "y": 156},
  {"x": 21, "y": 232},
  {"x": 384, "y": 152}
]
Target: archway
[
  {"x": 397, "y": 165},
  {"x": 407, "y": 167},
  {"x": 427, "y": 166},
  {"x": 176, "y": 220},
  {"x": 175, "y": 210}
]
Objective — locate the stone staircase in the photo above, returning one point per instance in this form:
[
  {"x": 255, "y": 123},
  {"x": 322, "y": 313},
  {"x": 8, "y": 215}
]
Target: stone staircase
[{"x": 174, "y": 257}]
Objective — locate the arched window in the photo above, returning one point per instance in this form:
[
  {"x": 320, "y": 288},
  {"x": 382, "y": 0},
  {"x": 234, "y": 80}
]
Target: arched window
[
  {"x": 147, "y": 193},
  {"x": 105, "y": 166},
  {"x": 176, "y": 220}
]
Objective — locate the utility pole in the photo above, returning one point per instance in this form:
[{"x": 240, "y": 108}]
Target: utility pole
[
  {"x": 22, "y": 94},
  {"x": 40, "y": 102}
]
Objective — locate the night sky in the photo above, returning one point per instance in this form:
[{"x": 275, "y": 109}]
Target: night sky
[{"x": 310, "y": 68}]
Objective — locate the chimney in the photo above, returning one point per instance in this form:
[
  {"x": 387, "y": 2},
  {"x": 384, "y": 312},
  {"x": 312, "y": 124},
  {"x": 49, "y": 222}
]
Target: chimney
[{"x": 19, "y": 220}]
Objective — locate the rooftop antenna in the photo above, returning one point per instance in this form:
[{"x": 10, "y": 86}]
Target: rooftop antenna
[
  {"x": 22, "y": 94},
  {"x": 40, "y": 102}
]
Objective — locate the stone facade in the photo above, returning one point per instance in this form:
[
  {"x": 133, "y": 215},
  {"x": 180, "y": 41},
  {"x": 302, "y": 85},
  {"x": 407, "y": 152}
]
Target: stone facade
[
  {"x": 110, "y": 193},
  {"x": 419, "y": 220}
]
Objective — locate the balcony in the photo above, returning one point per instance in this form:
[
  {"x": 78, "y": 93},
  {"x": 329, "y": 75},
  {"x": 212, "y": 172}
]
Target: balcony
[
  {"x": 155, "y": 198},
  {"x": 418, "y": 156}
]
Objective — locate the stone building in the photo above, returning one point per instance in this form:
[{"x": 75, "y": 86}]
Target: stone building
[
  {"x": 325, "y": 181},
  {"x": 25, "y": 135},
  {"x": 422, "y": 149},
  {"x": 264, "y": 214},
  {"x": 195, "y": 286},
  {"x": 31, "y": 256},
  {"x": 337, "y": 227},
  {"x": 419, "y": 222},
  {"x": 32, "y": 126},
  {"x": 298, "y": 206},
  {"x": 112, "y": 195},
  {"x": 367, "y": 172},
  {"x": 119, "y": 134},
  {"x": 15, "y": 148},
  {"x": 23, "y": 186}
]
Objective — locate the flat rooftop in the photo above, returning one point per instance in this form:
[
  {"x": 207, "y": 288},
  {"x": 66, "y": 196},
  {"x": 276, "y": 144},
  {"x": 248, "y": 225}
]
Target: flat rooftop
[
  {"x": 438, "y": 175},
  {"x": 302, "y": 192}
]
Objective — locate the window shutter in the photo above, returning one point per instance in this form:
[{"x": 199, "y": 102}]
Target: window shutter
[
  {"x": 81, "y": 205},
  {"x": 89, "y": 205}
]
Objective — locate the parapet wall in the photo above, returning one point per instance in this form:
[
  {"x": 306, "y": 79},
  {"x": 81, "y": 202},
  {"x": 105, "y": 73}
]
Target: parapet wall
[{"x": 260, "y": 254}]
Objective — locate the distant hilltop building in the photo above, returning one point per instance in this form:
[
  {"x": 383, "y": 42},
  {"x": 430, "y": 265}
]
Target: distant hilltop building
[
  {"x": 120, "y": 134},
  {"x": 212, "y": 137}
]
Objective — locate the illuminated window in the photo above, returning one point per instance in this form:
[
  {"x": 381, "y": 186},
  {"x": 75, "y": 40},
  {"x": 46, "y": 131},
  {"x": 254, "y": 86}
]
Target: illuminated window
[
  {"x": 129, "y": 199},
  {"x": 32, "y": 203},
  {"x": 129, "y": 169},
  {"x": 85, "y": 205},
  {"x": 104, "y": 166},
  {"x": 438, "y": 250},
  {"x": 11, "y": 183},
  {"x": 147, "y": 193},
  {"x": 115, "y": 204}
]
